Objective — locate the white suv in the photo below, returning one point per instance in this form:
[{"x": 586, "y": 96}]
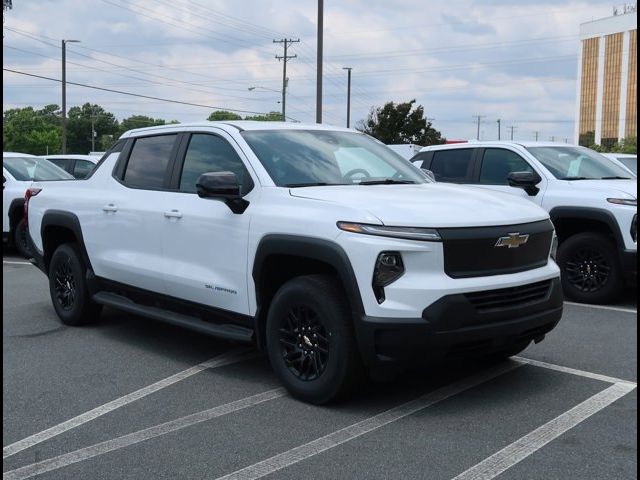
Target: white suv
[
  {"x": 318, "y": 244},
  {"x": 592, "y": 203}
]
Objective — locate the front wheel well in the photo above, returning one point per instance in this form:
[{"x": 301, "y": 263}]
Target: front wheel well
[
  {"x": 277, "y": 270},
  {"x": 568, "y": 227}
]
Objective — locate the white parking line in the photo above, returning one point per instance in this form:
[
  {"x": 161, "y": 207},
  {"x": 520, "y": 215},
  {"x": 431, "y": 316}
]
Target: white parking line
[
  {"x": 16, "y": 263},
  {"x": 538, "y": 438},
  {"x": 139, "y": 436},
  {"x": 219, "y": 361},
  {"x": 346, "y": 434},
  {"x": 603, "y": 307},
  {"x": 573, "y": 371}
]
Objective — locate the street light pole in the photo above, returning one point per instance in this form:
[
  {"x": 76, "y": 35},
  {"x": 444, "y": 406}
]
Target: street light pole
[
  {"x": 64, "y": 93},
  {"x": 348, "y": 69}
]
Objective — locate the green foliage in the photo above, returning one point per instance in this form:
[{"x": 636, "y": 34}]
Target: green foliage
[
  {"x": 79, "y": 126},
  {"x": 269, "y": 117},
  {"x": 401, "y": 123},
  {"x": 223, "y": 115},
  {"x": 626, "y": 145},
  {"x": 31, "y": 131}
]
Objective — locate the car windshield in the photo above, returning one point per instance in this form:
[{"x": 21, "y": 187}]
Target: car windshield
[
  {"x": 300, "y": 158},
  {"x": 577, "y": 163},
  {"x": 34, "y": 169},
  {"x": 630, "y": 162}
]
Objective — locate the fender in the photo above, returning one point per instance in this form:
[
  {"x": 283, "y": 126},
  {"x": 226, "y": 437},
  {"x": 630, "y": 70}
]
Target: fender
[
  {"x": 68, "y": 220},
  {"x": 17, "y": 203},
  {"x": 588, "y": 213},
  {"x": 320, "y": 250}
]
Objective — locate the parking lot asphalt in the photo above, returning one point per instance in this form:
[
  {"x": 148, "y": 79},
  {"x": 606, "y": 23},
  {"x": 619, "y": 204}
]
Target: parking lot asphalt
[{"x": 131, "y": 398}]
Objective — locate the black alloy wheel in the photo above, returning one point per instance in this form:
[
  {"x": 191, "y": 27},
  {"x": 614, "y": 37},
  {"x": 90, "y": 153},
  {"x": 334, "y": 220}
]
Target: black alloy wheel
[
  {"x": 304, "y": 343},
  {"x": 65, "y": 285},
  {"x": 587, "y": 269}
]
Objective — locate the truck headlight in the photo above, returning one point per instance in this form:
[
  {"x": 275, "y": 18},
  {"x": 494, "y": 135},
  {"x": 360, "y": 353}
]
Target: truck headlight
[
  {"x": 631, "y": 202},
  {"x": 406, "y": 233},
  {"x": 389, "y": 268}
]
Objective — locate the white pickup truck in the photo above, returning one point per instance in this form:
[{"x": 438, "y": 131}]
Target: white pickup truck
[{"x": 318, "y": 244}]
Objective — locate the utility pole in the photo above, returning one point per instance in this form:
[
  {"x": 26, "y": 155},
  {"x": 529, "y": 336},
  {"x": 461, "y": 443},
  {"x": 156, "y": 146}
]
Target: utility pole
[
  {"x": 499, "y": 128},
  {"x": 285, "y": 80},
  {"x": 512, "y": 128},
  {"x": 479, "y": 118},
  {"x": 64, "y": 93},
  {"x": 553, "y": 138},
  {"x": 348, "y": 69},
  {"x": 93, "y": 130},
  {"x": 319, "y": 62},
  {"x": 537, "y": 134}
]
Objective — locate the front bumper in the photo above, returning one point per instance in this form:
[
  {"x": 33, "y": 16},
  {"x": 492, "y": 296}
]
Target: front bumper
[{"x": 454, "y": 327}]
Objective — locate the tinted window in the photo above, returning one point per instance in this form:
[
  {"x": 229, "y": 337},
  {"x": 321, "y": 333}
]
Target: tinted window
[
  {"x": 498, "y": 163},
  {"x": 630, "y": 163},
  {"x": 210, "y": 153},
  {"x": 453, "y": 165},
  {"x": 64, "y": 163},
  {"x": 82, "y": 169},
  {"x": 148, "y": 161}
]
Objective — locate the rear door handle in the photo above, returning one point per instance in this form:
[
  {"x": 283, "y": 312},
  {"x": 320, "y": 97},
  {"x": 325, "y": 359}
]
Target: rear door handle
[
  {"x": 173, "y": 214},
  {"x": 110, "y": 207}
]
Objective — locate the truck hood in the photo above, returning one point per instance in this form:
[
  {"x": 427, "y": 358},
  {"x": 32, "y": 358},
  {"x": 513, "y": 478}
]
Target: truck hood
[
  {"x": 609, "y": 188},
  {"x": 434, "y": 205}
]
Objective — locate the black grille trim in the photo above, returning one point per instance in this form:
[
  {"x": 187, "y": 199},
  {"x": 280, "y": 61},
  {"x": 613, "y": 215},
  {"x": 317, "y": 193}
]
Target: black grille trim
[{"x": 506, "y": 298}]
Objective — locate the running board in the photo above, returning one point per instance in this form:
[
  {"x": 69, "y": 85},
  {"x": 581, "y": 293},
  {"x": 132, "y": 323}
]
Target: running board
[{"x": 229, "y": 332}]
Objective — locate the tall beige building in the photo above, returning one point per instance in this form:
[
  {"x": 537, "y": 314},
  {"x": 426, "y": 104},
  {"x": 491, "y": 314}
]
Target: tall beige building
[{"x": 607, "y": 100}]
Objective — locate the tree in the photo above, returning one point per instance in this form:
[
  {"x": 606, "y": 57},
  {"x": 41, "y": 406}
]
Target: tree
[
  {"x": 79, "y": 126},
  {"x": 268, "y": 117},
  {"x": 138, "y": 121},
  {"x": 31, "y": 131},
  {"x": 401, "y": 123},
  {"x": 223, "y": 115}
]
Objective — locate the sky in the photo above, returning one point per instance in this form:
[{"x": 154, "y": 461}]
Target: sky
[{"x": 510, "y": 60}]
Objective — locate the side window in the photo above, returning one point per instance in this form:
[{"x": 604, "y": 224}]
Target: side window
[
  {"x": 453, "y": 166},
  {"x": 498, "y": 163},
  {"x": 82, "y": 169},
  {"x": 210, "y": 153},
  {"x": 63, "y": 163},
  {"x": 148, "y": 161},
  {"x": 421, "y": 157}
]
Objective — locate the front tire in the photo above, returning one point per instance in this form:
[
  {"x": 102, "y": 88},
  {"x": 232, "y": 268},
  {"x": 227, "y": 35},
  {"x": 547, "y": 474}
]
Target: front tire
[
  {"x": 590, "y": 268},
  {"x": 20, "y": 239},
  {"x": 310, "y": 340},
  {"x": 68, "y": 289}
]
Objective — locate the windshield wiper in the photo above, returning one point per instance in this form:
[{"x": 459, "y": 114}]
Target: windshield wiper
[
  {"x": 386, "y": 181},
  {"x": 311, "y": 184},
  {"x": 617, "y": 177},
  {"x": 576, "y": 178}
]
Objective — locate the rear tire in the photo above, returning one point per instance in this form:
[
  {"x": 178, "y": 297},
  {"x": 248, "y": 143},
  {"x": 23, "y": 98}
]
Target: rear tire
[
  {"x": 20, "y": 239},
  {"x": 590, "y": 268},
  {"x": 311, "y": 341},
  {"x": 68, "y": 289}
]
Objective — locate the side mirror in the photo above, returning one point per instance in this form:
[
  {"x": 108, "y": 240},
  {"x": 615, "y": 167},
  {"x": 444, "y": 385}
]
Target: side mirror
[
  {"x": 429, "y": 174},
  {"x": 525, "y": 180},
  {"x": 222, "y": 186}
]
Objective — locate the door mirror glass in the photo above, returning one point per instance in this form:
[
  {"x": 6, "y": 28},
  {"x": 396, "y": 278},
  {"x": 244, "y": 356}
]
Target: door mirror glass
[
  {"x": 526, "y": 181},
  {"x": 222, "y": 186}
]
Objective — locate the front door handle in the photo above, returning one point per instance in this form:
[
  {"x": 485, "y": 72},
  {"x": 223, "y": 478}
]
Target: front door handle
[
  {"x": 173, "y": 214},
  {"x": 110, "y": 208}
]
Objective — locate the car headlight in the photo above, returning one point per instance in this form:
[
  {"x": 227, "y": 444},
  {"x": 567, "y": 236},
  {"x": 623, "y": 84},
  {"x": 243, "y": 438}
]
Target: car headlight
[
  {"x": 632, "y": 202},
  {"x": 406, "y": 233}
]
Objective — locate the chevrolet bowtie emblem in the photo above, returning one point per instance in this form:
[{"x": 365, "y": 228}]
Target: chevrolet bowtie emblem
[{"x": 514, "y": 240}]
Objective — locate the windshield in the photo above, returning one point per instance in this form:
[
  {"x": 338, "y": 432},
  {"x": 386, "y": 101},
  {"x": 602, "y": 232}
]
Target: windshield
[
  {"x": 630, "y": 162},
  {"x": 299, "y": 158},
  {"x": 577, "y": 163},
  {"x": 34, "y": 169}
]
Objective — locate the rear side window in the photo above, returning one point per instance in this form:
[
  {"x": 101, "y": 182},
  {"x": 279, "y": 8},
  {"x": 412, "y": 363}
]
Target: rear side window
[
  {"x": 453, "y": 166},
  {"x": 498, "y": 163},
  {"x": 63, "y": 163},
  {"x": 82, "y": 169},
  {"x": 147, "y": 165},
  {"x": 210, "y": 153}
]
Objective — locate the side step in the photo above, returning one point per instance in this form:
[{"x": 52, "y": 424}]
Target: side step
[{"x": 230, "y": 332}]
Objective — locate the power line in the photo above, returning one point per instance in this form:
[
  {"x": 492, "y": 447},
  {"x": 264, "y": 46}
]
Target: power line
[{"x": 150, "y": 97}]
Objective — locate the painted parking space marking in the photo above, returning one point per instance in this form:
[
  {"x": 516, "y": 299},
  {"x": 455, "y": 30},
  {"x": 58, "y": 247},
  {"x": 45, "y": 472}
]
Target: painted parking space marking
[
  {"x": 604, "y": 307},
  {"x": 298, "y": 454},
  {"x": 573, "y": 371},
  {"x": 219, "y": 361},
  {"x": 140, "y": 436},
  {"x": 517, "y": 451}
]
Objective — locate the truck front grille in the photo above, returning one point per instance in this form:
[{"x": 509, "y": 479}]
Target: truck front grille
[{"x": 506, "y": 298}]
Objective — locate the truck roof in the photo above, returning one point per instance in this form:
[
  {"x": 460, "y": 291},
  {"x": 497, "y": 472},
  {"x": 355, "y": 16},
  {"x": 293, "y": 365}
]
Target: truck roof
[{"x": 497, "y": 143}]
